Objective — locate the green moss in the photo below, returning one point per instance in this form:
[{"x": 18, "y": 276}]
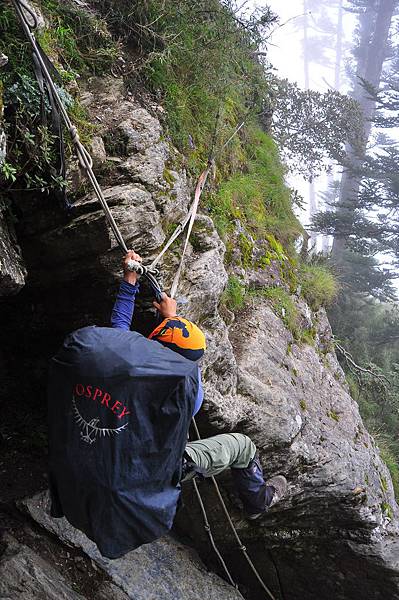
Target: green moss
[
  {"x": 387, "y": 509},
  {"x": 276, "y": 247},
  {"x": 228, "y": 256},
  {"x": 391, "y": 462},
  {"x": 168, "y": 177},
  {"x": 246, "y": 248},
  {"x": 319, "y": 286},
  {"x": 333, "y": 415},
  {"x": 259, "y": 197},
  {"x": 234, "y": 295},
  {"x": 384, "y": 483},
  {"x": 80, "y": 118},
  {"x": 309, "y": 336},
  {"x": 284, "y": 307},
  {"x": 303, "y": 405}
]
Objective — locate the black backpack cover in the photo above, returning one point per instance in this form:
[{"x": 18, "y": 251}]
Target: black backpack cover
[{"x": 120, "y": 406}]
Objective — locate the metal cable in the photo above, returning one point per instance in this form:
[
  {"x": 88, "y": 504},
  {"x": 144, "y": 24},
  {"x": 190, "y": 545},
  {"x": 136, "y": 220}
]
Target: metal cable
[
  {"x": 198, "y": 191},
  {"x": 86, "y": 163}
]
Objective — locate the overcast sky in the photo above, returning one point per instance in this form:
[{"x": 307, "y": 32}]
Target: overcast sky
[
  {"x": 285, "y": 44},
  {"x": 285, "y": 53}
]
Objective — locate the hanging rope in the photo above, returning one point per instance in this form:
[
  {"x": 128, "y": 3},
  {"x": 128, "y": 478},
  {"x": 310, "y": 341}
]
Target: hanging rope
[
  {"x": 208, "y": 530},
  {"x": 43, "y": 62},
  {"x": 232, "y": 527},
  {"x": 190, "y": 218}
]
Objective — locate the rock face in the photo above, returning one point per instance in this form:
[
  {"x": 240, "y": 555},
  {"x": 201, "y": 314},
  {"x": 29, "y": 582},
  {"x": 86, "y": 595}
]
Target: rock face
[
  {"x": 336, "y": 532},
  {"x": 12, "y": 270},
  {"x": 162, "y": 570},
  {"x": 25, "y": 575}
]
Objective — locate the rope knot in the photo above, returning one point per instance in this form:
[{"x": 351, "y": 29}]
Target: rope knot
[
  {"x": 242, "y": 548},
  {"x": 74, "y": 134}
]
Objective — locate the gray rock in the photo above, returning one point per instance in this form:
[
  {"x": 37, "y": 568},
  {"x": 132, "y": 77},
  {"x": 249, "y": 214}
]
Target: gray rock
[
  {"x": 162, "y": 570},
  {"x": 97, "y": 151},
  {"x": 12, "y": 269},
  {"x": 108, "y": 591},
  {"x": 24, "y": 575}
]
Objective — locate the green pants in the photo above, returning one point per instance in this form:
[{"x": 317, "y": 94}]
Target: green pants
[{"x": 217, "y": 453}]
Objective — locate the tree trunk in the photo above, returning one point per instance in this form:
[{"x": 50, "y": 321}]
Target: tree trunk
[
  {"x": 337, "y": 85},
  {"x": 312, "y": 201},
  {"x": 374, "y": 31}
]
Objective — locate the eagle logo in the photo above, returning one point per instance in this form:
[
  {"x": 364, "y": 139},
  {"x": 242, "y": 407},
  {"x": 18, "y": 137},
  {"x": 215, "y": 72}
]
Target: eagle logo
[{"x": 89, "y": 430}]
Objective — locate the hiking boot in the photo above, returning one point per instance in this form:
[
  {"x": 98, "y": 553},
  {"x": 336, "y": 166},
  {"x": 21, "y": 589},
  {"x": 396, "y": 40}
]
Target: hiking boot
[{"x": 279, "y": 485}]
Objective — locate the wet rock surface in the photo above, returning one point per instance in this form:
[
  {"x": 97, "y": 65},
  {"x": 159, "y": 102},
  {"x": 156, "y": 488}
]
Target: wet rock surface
[{"x": 335, "y": 534}]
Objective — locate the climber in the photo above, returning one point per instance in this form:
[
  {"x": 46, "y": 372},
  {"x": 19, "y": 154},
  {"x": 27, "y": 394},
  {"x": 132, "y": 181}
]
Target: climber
[{"x": 210, "y": 456}]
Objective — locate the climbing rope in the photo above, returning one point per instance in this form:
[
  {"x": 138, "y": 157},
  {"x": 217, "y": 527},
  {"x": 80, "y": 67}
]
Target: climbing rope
[
  {"x": 190, "y": 217},
  {"x": 208, "y": 530},
  {"x": 241, "y": 546}
]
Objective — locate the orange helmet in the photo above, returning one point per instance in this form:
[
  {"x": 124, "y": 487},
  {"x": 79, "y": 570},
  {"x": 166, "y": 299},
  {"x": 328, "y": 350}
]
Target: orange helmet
[{"x": 182, "y": 336}]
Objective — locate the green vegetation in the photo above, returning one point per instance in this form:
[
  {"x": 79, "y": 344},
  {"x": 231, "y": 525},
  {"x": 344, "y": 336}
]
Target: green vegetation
[
  {"x": 234, "y": 295},
  {"x": 78, "y": 42},
  {"x": 368, "y": 329},
  {"x": 319, "y": 286},
  {"x": 258, "y": 197},
  {"x": 391, "y": 462},
  {"x": 333, "y": 415},
  {"x": 387, "y": 509},
  {"x": 285, "y": 308},
  {"x": 303, "y": 405},
  {"x": 198, "y": 58},
  {"x": 77, "y": 39},
  {"x": 197, "y": 55}
]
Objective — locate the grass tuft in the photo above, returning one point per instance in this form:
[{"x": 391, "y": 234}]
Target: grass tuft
[
  {"x": 319, "y": 285},
  {"x": 234, "y": 295}
]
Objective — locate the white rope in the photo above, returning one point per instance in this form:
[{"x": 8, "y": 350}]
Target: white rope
[
  {"x": 198, "y": 191},
  {"x": 190, "y": 218}
]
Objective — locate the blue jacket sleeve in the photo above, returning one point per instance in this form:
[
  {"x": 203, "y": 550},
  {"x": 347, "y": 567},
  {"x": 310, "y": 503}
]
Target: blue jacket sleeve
[
  {"x": 200, "y": 395},
  {"x": 122, "y": 313}
]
